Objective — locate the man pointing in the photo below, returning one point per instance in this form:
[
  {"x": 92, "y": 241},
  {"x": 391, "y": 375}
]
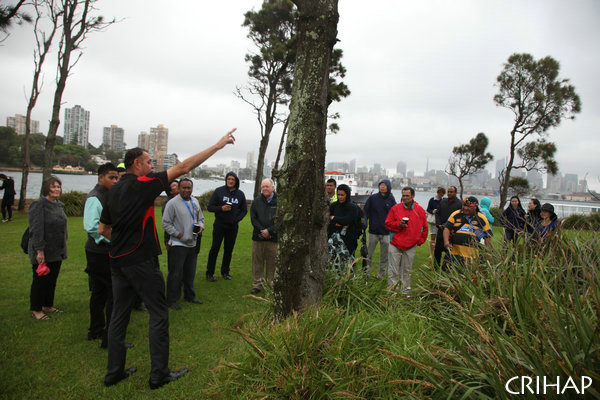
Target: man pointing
[{"x": 128, "y": 222}]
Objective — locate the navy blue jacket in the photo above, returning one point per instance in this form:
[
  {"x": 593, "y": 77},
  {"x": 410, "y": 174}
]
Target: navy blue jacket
[
  {"x": 376, "y": 209},
  {"x": 221, "y": 196}
]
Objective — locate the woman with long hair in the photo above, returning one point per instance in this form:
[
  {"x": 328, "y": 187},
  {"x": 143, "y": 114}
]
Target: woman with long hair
[{"x": 513, "y": 220}]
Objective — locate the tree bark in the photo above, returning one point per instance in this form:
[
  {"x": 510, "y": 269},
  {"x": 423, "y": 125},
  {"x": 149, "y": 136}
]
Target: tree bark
[{"x": 302, "y": 213}]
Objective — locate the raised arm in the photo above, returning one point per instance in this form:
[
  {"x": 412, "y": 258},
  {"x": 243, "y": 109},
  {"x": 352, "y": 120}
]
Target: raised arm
[{"x": 192, "y": 162}]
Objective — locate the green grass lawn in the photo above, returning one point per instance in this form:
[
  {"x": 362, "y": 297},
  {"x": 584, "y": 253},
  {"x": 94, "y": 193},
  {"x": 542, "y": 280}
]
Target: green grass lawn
[{"x": 52, "y": 359}]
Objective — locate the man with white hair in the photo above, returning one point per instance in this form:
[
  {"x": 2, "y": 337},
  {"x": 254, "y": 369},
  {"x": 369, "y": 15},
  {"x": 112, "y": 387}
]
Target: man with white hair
[{"x": 264, "y": 236}]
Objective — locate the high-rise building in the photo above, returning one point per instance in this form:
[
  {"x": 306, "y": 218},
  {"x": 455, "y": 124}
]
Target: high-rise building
[
  {"x": 158, "y": 144},
  {"x": 112, "y": 139},
  {"x": 143, "y": 140},
  {"x": 250, "y": 159},
  {"x": 18, "y": 124},
  {"x": 535, "y": 179},
  {"x": 401, "y": 168},
  {"x": 352, "y": 166},
  {"x": 554, "y": 183},
  {"x": 170, "y": 160},
  {"x": 571, "y": 183},
  {"x": 77, "y": 126},
  {"x": 500, "y": 165}
]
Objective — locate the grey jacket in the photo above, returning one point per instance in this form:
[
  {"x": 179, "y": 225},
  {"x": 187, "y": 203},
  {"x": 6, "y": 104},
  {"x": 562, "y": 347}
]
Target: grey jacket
[
  {"x": 47, "y": 230},
  {"x": 178, "y": 219}
]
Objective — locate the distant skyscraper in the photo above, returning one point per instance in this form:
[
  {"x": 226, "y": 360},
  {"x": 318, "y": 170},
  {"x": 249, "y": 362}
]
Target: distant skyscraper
[
  {"x": 401, "y": 168},
  {"x": 500, "y": 165},
  {"x": 77, "y": 126},
  {"x": 535, "y": 179},
  {"x": 250, "y": 159},
  {"x": 352, "y": 166},
  {"x": 571, "y": 183},
  {"x": 158, "y": 145},
  {"x": 143, "y": 140},
  {"x": 112, "y": 139},
  {"x": 18, "y": 124},
  {"x": 377, "y": 168},
  {"x": 554, "y": 183}
]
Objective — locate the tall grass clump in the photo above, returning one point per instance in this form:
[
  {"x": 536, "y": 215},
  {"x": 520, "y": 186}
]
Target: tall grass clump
[
  {"x": 517, "y": 311},
  {"x": 354, "y": 346}
]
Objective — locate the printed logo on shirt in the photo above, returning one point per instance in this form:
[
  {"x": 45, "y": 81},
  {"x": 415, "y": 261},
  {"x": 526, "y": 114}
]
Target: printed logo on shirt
[{"x": 233, "y": 200}]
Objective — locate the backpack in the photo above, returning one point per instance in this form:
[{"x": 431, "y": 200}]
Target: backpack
[{"x": 25, "y": 241}]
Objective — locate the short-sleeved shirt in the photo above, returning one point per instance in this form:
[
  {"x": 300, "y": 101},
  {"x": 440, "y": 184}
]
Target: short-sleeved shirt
[
  {"x": 130, "y": 211},
  {"x": 466, "y": 231}
]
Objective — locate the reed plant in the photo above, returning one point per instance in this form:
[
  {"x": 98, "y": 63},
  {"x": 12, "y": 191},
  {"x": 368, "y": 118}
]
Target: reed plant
[{"x": 516, "y": 311}]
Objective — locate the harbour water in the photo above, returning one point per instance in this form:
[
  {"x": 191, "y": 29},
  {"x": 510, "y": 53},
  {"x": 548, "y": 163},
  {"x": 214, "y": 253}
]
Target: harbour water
[{"x": 84, "y": 183}]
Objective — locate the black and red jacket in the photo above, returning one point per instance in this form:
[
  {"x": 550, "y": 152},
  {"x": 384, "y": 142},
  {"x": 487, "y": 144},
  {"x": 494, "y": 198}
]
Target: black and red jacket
[{"x": 130, "y": 211}]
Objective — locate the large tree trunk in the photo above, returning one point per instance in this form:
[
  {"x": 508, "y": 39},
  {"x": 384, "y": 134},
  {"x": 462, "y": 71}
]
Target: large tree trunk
[{"x": 302, "y": 205}]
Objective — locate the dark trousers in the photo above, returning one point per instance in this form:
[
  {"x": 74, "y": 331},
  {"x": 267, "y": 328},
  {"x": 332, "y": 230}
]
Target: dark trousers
[
  {"x": 101, "y": 297},
  {"x": 221, "y": 233},
  {"x": 182, "y": 269},
  {"x": 439, "y": 248},
  {"x": 510, "y": 235},
  {"x": 43, "y": 287},
  {"x": 146, "y": 280},
  {"x": 7, "y": 208}
]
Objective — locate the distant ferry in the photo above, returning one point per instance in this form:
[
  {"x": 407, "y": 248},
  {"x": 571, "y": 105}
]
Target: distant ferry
[
  {"x": 348, "y": 178},
  {"x": 68, "y": 170}
]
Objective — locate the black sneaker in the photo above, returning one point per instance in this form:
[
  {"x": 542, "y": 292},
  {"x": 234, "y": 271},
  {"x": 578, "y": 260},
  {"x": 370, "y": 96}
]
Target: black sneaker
[
  {"x": 227, "y": 277},
  {"x": 175, "y": 306},
  {"x": 211, "y": 278}
]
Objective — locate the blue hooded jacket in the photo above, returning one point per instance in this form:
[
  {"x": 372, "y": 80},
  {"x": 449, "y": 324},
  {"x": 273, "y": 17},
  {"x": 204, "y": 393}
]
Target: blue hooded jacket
[
  {"x": 376, "y": 209},
  {"x": 484, "y": 207}
]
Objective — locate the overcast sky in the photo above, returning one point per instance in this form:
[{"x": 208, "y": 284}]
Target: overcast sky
[{"x": 422, "y": 76}]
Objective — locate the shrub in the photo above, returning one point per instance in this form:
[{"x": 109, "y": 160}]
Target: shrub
[
  {"x": 73, "y": 202},
  {"x": 594, "y": 220},
  {"x": 576, "y": 221},
  {"x": 496, "y": 213},
  {"x": 204, "y": 198}
]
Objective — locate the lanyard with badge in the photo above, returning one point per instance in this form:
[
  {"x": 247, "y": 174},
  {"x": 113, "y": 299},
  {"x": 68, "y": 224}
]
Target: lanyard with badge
[{"x": 196, "y": 227}]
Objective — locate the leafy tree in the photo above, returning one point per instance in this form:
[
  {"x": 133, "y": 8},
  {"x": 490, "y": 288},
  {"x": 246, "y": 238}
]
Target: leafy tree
[
  {"x": 272, "y": 29},
  {"x": 302, "y": 205},
  {"x": 469, "y": 158},
  {"x": 114, "y": 157},
  {"x": 539, "y": 101},
  {"x": 8, "y": 142},
  {"x": 519, "y": 186},
  {"x": 77, "y": 20}
]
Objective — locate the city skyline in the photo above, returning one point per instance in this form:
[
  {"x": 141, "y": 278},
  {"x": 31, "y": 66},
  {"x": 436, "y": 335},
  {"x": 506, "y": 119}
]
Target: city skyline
[{"x": 421, "y": 74}]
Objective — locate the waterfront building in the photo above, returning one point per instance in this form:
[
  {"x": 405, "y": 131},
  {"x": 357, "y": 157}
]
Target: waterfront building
[
  {"x": 18, "y": 124},
  {"x": 112, "y": 139},
  {"x": 77, "y": 126}
]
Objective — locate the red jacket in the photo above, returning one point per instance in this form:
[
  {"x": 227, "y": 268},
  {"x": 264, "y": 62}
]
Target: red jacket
[{"x": 414, "y": 234}]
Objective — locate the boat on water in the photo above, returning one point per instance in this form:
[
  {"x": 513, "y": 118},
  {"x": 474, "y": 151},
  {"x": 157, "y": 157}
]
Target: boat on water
[
  {"x": 68, "y": 170},
  {"x": 348, "y": 178}
]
